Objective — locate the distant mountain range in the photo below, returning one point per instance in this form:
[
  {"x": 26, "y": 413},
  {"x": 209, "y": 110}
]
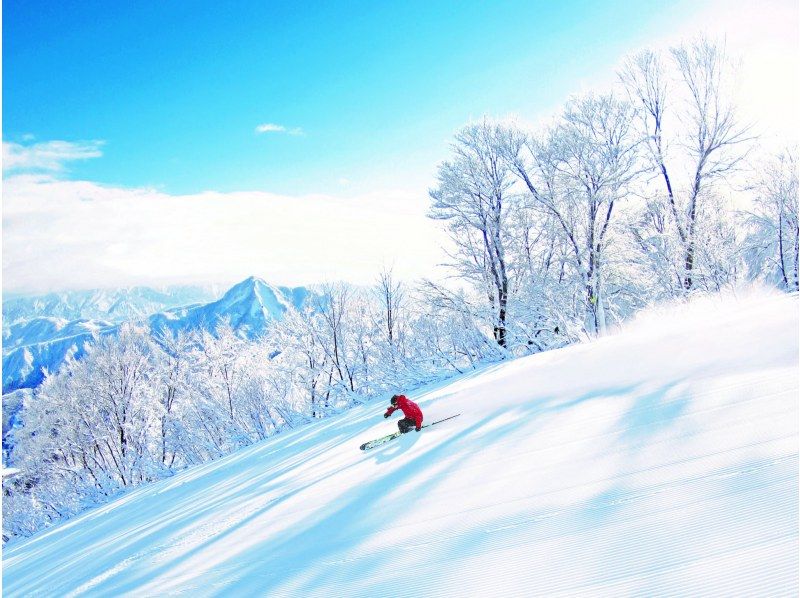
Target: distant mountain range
[
  {"x": 113, "y": 305},
  {"x": 45, "y": 340}
]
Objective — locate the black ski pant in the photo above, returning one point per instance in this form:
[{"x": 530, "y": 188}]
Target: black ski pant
[{"x": 406, "y": 425}]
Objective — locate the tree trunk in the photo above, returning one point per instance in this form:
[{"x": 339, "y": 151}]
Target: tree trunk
[
  {"x": 690, "y": 227},
  {"x": 780, "y": 250},
  {"x": 796, "y": 256}
]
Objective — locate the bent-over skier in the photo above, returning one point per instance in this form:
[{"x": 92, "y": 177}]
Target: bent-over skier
[{"x": 412, "y": 412}]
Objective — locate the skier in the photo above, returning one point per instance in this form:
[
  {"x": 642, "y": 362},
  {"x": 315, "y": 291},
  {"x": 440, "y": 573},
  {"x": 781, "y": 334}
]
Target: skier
[{"x": 412, "y": 412}]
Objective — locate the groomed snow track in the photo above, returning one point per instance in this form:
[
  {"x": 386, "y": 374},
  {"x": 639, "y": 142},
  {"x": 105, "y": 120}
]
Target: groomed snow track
[{"x": 659, "y": 461}]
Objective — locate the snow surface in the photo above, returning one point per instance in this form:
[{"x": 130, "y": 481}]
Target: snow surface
[{"x": 662, "y": 460}]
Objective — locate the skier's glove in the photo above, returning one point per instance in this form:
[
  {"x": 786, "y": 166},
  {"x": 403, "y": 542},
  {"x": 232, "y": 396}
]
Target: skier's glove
[
  {"x": 385, "y": 415},
  {"x": 418, "y": 428}
]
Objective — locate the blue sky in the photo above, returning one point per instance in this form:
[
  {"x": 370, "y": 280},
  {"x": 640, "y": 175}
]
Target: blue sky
[
  {"x": 175, "y": 90},
  {"x": 131, "y": 144}
]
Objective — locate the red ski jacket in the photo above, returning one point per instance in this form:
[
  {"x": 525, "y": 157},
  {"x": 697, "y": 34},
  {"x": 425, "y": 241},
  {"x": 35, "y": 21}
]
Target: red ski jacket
[{"x": 409, "y": 409}]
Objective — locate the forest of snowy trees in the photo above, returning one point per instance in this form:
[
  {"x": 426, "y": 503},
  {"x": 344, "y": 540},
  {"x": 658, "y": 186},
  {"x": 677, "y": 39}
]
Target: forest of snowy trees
[{"x": 651, "y": 192}]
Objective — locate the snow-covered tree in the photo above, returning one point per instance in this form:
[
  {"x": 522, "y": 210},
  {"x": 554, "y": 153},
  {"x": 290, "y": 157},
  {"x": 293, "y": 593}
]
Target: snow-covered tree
[
  {"x": 771, "y": 246},
  {"x": 473, "y": 196},
  {"x": 695, "y": 144},
  {"x": 177, "y": 367},
  {"x": 301, "y": 357},
  {"x": 577, "y": 172},
  {"x": 91, "y": 430},
  {"x": 391, "y": 295}
]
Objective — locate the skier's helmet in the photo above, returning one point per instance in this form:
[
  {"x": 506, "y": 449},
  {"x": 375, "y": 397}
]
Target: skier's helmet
[{"x": 394, "y": 399}]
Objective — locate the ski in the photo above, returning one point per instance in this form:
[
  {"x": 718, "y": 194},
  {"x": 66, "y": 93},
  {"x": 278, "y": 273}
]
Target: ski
[{"x": 379, "y": 441}]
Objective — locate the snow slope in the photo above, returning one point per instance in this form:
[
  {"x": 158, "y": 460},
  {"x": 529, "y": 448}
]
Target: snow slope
[{"x": 660, "y": 460}]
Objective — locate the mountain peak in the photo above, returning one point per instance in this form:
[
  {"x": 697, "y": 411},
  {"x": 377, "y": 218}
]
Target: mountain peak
[
  {"x": 247, "y": 290},
  {"x": 250, "y": 304}
]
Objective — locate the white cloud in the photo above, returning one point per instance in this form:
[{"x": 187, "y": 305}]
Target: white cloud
[
  {"x": 76, "y": 234},
  {"x": 48, "y": 156},
  {"x": 273, "y": 128},
  {"x": 270, "y": 128}
]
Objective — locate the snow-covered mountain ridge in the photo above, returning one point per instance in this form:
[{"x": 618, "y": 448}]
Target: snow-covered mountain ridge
[
  {"x": 43, "y": 330},
  {"x": 248, "y": 305},
  {"x": 113, "y": 305},
  {"x": 662, "y": 460},
  {"x": 45, "y": 342}
]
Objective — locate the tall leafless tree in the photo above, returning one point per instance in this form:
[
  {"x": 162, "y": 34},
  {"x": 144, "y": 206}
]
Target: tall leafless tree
[
  {"x": 694, "y": 136},
  {"x": 774, "y": 240},
  {"x": 473, "y": 195},
  {"x": 578, "y": 171},
  {"x": 391, "y": 295}
]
